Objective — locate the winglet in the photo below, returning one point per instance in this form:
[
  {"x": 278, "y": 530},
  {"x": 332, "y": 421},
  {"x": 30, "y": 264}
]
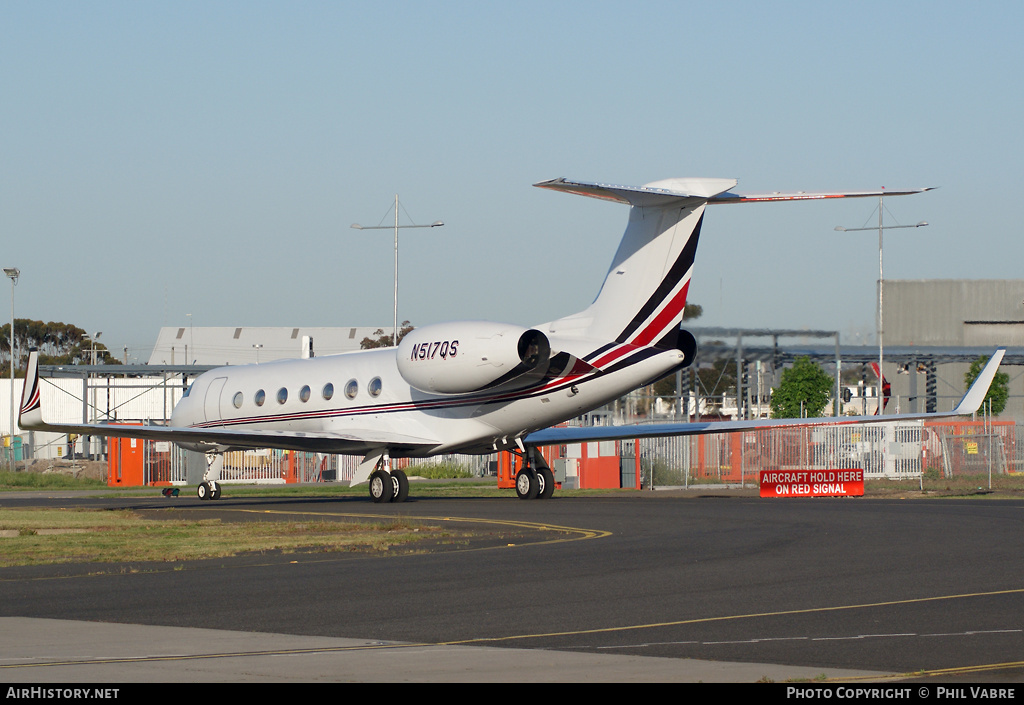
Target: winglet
[
  {"x": 976, "y": 394},
  {"x": 30, "y": 415}
]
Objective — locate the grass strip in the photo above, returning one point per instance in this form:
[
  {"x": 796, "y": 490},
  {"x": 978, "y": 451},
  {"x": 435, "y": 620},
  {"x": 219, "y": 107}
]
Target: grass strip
[{"x": 47, "y": 536}]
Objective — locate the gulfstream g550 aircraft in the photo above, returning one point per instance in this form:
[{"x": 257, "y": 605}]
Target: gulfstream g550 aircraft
[{"x": 476, "y": 386}]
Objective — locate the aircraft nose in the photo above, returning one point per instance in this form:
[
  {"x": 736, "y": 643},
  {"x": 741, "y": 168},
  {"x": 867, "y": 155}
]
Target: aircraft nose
[{"x": 181, "y": 415}]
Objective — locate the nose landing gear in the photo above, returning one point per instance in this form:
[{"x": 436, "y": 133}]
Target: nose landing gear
[{"x": 209, "y": 488}]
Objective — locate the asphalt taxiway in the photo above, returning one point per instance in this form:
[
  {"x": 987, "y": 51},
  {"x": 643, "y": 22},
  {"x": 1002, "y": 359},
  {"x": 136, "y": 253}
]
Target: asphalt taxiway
[{"x": 629, "y": 587}]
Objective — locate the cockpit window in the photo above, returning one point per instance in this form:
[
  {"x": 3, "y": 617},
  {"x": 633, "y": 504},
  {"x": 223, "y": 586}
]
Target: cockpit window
[
  {"x": 188, "y": 390},
  {"x": 261, "y": 397}
]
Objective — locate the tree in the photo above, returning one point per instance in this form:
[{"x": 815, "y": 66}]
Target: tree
[
  {"x": 998, "y": 393},
  {"x": 804, "y": 386},
  {"x": 381, "y": 339},
  {"x": 57, "y": 343}
]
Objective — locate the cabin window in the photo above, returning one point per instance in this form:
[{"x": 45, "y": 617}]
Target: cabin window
[
  {"x": 237, "y": 401},
  {"x": 328, "y": 391},
  {"x": 282, "y": 395},
  {"x": 304, "y": 394},
  {"x": 260, "y": 397},
  {"x": 351, "y": 389},
  {"x": 374, "y": 387}
]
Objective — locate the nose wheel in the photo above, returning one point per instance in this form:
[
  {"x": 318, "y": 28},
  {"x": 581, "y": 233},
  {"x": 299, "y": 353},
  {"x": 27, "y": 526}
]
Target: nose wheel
[{"x": 209, "y": 488}]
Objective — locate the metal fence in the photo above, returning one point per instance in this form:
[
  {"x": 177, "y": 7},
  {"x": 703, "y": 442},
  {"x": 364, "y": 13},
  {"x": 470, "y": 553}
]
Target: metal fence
[
  {"x": 167, "y": 463},
  {"x": 884, "y": 450},
  {"x": 893, "y": 451}
]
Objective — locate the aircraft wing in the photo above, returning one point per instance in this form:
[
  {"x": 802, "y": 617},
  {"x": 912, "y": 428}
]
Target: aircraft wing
[
  {"x": 353, "y": 441},
  {"x": 970, "y": 404}
]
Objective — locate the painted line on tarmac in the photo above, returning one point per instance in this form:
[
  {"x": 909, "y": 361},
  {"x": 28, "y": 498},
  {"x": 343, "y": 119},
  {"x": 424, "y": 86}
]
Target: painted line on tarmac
[
  {"x": 576, "y": 534},
  {"x": 959, "y": 670},
  {"x": 580, "y": 534},
  {"x": 953, "y": 671},
  {"x": 766, "y": 640},
  {"x": 736, "y": 617}
]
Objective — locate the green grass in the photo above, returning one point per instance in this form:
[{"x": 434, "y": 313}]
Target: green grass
[
  {"x": 439, "y": 471},
  {"x": 48, "y": 480},
  {"x": 47, "y": 536}
]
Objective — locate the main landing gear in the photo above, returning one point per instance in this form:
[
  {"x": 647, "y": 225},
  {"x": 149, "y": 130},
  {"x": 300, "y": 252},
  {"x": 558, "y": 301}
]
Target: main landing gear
[
  {"x": 388, "y": 484},
  {"x": 535, "y": 479}
]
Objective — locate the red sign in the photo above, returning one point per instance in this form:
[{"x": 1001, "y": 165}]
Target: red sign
[{"x": 812, "y": 483}]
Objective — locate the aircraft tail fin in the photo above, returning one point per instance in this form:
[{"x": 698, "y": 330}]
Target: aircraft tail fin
[
  {"x": 30, "y": 413},
  {"x": 644, "y": 292},
  {"x": 642, "y": 298}
]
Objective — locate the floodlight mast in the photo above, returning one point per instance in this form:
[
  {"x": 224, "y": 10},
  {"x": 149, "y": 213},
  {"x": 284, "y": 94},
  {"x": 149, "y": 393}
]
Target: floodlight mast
[
  {"x": 881, "y": 279},
  {"x": 12, "y": 273},
  {"x": 397, "y": 227}
]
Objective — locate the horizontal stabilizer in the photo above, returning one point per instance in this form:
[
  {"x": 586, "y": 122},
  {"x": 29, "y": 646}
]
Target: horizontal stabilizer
[
  {"x": 657, "y": 193},
  {"x": 699, "y": 190},
  {"x": 734, "y": 197}
]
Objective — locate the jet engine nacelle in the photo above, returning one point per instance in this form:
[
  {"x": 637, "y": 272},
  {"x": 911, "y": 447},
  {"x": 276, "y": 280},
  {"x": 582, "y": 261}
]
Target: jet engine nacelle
[{"x": 472, "y": 356}]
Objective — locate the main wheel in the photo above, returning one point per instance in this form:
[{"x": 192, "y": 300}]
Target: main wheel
[
  {"x": 527, "y": 485},
  {"x": 401, "y": 486},
  {"x": 203, "y": 491},
  {"x": 382, "y": 489},
  {"x": 214, "y": 490},
  {"x": 546, "y": 482}
]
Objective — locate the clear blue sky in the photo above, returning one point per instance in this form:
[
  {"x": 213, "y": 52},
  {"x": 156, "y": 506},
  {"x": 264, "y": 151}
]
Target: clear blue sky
[{"x": 207, "y": 158}]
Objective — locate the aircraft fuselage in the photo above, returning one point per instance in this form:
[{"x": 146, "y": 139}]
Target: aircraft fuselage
[{"x": 362, "y": 396}]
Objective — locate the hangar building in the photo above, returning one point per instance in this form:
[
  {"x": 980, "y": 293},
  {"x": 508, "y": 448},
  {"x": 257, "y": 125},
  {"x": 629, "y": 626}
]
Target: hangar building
[{"x": 945, "y": 317}]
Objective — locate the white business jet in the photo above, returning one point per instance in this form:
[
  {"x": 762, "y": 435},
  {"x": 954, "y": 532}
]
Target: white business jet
[{"x": 477, "y": 386}]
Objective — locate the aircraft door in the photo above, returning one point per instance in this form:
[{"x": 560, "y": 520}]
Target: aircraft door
[{"x": 211, "y": 403}]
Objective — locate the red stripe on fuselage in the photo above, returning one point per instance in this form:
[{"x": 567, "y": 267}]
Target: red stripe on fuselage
[{"x": 655, "y": 329}]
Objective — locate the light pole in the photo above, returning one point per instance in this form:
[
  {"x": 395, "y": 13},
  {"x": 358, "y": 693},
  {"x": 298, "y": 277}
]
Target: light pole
[
  {"x": 357, "y": 226},
  {"x": 881, "y": 279},
  {"x": 13, "y": 273},
  {"x": 93, "y": 340}
]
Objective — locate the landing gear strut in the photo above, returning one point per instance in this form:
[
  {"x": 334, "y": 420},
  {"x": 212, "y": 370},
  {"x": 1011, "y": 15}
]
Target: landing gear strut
[{"x": 209, "y": 488}]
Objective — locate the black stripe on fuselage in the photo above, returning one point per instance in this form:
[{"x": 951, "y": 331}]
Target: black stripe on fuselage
[{"x": 429, "y": 405}]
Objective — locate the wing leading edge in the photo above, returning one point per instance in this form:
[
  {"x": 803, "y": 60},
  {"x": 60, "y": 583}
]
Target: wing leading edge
[{"x": 969, "y": 404}]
